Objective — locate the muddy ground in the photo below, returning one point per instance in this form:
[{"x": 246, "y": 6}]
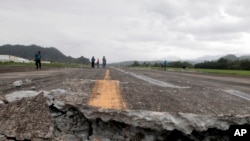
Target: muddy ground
[{"x": 182, "y": 92}]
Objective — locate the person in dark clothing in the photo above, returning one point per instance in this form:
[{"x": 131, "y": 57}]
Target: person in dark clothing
[
  {"x": 165, "y": 64},
  {"x": 97, "y": 63},
  {"x": 93, "y": 62},
  {"x": 104, "y": 62},
  {"x": 38, "y": 60}
]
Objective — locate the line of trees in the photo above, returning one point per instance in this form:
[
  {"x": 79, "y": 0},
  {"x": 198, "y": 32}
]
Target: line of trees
[
  {"x": 175, "y": 64},
  {"x": 223, "y": 63}
]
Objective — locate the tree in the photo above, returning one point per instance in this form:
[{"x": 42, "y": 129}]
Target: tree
[
  {"x": 245, "y": 64},
  {"x": 223, "y": 63},
  {"x": 136, "y": 63},
  {"x": 179, "y": 64}
]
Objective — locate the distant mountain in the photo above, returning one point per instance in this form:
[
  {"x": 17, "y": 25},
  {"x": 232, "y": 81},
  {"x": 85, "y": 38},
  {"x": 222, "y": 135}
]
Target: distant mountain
[
  {"x": 204, "y": 58},
  {"x": 48, "y": 54},
  {"x": 194, "y": 61},
  {"x": 244, "y": 57},
  {"x": 231, "y": 57},
  {"x": 128, "y": 63}
]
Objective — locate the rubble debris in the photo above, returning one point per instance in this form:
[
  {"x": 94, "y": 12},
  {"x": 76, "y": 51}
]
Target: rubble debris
[
  {"x": 26, "y": 119},
  {"x": 19, "y": 95},
  {"x": 59, "y": 115},
  {"x": 27, "y": 80},
  {"x": 70, "y": 125},
  {"x": 3, "y": 100},
  {"x": 33, "y": 88},
  {"x": 184, "y": 122},
  {"x": 18, "y": 83},
  {"x": 58, "y": 92}
]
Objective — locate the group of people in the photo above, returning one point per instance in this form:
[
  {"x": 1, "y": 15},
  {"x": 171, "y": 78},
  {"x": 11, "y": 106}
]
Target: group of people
[
  {"x": 104, "y": 62},
  {"x": 38, "y": 61}
]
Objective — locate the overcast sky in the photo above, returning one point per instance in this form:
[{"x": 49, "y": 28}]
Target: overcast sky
[{"x": 129, "y": 29}]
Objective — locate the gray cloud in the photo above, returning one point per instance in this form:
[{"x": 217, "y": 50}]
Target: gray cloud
[{"x": 129, "y": 30}]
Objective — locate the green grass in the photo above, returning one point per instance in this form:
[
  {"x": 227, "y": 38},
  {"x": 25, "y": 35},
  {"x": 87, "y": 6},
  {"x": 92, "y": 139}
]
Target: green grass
[
  {"x": 230, "y": 72},
  {"x": 53, "y": 65},
  {"x": 214, "y": 71}
]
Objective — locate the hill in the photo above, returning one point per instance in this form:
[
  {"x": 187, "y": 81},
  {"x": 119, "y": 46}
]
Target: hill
[
  {"x": 244, "y": 57},
  {"x": 194, "y": 61},
  {"x": 128, "y": 63},
  {"x": 231, "y": 57},
  {"x": 204, "y": 58},
  {"x": 48, "y": 54}
]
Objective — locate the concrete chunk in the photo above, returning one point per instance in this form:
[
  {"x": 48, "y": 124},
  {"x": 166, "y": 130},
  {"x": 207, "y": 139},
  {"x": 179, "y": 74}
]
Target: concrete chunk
[{"x": 28, "y": 119}]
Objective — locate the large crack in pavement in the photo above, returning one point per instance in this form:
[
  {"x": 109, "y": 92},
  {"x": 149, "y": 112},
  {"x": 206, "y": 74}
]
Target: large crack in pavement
[{"x": 57, "y": 115}]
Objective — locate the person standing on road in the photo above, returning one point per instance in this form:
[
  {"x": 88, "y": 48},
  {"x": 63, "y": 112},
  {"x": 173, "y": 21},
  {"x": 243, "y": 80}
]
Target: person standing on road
[
  {"x": 165, "y": 64},
  {"x": 97, "y": 63},
  {"x": 38, "y": 60},
  {"x": 104, "y": 62},
  {"x": 93, "y": 62}
]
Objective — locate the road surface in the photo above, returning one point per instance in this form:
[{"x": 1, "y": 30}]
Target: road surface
[{"x": 141, "y": 89}]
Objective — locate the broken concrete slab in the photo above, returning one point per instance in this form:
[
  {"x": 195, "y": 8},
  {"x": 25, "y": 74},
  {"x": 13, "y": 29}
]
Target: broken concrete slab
[
  {"x": 130, "y": 124},
  {"x": 19, "y": 95},
  {"x": 28, "y": 80},
  {"x": 3, "y": 138},
  {"x": 3, "y": 100},
  {"x": 70, "y": 118},
  {"x": 183, "y": 122},
  {"x": 133, "y": 125},
  {"x": 58, "y": 92},
  {"x": 28, "y": 119},
  {"x": 70, "y": 124},
  {"x": 18, "y": 83}
]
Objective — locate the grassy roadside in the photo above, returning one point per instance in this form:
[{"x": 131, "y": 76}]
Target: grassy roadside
[
  {"x": 51, "y": 65},
  {"x": 214, "y": 71}
]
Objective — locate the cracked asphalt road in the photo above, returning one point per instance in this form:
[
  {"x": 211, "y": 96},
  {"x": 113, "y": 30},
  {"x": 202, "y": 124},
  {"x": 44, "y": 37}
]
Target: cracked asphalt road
[{"x": 204, "y": 94}]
